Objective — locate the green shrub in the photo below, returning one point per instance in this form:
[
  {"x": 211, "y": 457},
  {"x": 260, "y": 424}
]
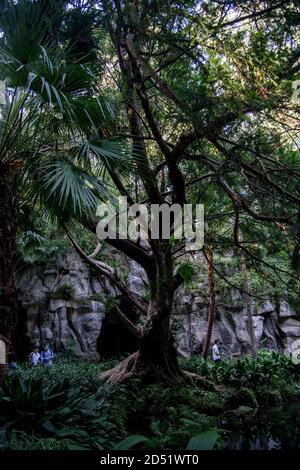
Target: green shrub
[
  {"x": 55, "y": 409},
  {"x": 76, "y": 372},
  {"x": 168, "y": 417},
  {"x": 64, "y": 292},
  {"x": 20, "y": 440},
  {"x": 67, "y": 407},
  {"x": 268, "y": 376}
]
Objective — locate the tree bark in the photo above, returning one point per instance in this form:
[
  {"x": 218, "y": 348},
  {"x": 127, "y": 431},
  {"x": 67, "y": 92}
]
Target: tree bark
[
  {"x": 156, "y": 360},
  {"x": 212, "y": 301},
  {"x": 8, "y": 230},
  {"x": 249, "y": 306}
]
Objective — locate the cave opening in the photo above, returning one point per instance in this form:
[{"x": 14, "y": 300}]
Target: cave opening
[{"x": 114, "y": 338}]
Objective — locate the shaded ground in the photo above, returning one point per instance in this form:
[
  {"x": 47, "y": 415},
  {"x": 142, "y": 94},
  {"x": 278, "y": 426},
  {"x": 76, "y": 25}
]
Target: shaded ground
[{"x": 246, "y": 403}]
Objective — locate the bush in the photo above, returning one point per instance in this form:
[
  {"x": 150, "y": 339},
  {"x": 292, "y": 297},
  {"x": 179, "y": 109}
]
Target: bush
[
  {"x": 76, "y": 372},
  {"x": 168, "y": 417},
  {"x": 66, "y": 406},
  {"x": 270, "y": 376},
  {"x": 20, "y": 440},
  {"x": 63, "y": 292},
  {"x": 55, "y": 409}
]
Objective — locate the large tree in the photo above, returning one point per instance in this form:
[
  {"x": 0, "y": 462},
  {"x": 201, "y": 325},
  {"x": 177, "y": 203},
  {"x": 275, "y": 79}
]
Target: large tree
[
  {"x": 203, "y": 96},
  {"x": 207, "y": 88}
]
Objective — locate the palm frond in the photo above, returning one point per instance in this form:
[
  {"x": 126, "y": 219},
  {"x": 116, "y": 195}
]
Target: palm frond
[
  {"x": 114, "y": 154},
  {"x": 67, "y": 189},
  {"x": 23, "y": 25},
  {"x": 29, "y": 239}
]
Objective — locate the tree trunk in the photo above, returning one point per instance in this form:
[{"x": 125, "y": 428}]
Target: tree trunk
[
  {"x": 156, "y": 359},
  {"x": 190, "y": 334},
  {"x": 8, "y": 230},
  {"x": 212, "y": 302},
  {"x": 248, "y": 301}
]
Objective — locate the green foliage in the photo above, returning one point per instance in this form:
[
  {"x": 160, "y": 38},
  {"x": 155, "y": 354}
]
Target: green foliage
[
  {"x": 186, "y": 271},
  {"x": 130, "y": 441},
  {"x": 63, "y": 291},
  {"x": 69, "y": 188},
  {"x": 20, "y": 440},
  {"x": 54, "y": 409},
  {"x": 269, "y": 377},
  {"x": 205, "y": 441},
  {"x": 84, "y": 374},
  {"x": 67, "y": 407},
  {"x": 178, "y": 428},
  {"x": 168, "y": 417},
  {"x": 229, "y": 91},
  {"x": 44, "y": 254},
  {"x": 176, "y": 326},
  {"x": 110, "y": 303}
]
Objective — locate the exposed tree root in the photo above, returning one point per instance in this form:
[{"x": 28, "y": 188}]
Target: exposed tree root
[
  {"x": 198, "y": 380},
  {"x": 167, "y": 373},
  {"x": 122, "y": 371}
]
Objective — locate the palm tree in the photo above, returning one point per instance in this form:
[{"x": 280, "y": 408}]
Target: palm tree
[{"x": 53, "y": 123}]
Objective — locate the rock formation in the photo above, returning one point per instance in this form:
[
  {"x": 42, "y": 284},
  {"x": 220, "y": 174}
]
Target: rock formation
[{"x": 66, "y": 304}]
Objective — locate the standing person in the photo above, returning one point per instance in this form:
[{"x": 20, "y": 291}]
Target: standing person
[
  {"x": 35, "y": 357},
  {"x": 216, "y": 355},
  {"x": 47, "y": 355}
]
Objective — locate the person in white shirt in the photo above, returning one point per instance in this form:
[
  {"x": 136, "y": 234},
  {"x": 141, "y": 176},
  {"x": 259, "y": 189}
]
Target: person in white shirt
[
  {"x": 35, "y": 357},
  {"x": 216, "y": 352}
]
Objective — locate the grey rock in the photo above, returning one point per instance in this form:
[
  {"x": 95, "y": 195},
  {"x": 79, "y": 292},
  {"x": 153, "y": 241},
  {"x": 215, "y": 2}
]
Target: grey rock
[
  {"x": 266, "y": 307},
  {"x": 285, "y": 310},
  {"x": 76, "y": 324}
]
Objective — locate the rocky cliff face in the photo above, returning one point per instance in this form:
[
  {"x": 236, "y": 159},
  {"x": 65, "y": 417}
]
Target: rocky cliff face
[
  {"x": 276, "y": 326},
  {"x": 66, "y": 305},
  {"x": 63, "y": 305}
]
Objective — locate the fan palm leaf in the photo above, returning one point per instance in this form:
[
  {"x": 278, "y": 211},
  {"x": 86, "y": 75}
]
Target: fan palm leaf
[{"x": 56, "y": 121}]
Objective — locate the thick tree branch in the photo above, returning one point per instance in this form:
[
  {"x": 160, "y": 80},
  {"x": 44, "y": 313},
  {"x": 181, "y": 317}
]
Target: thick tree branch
[
  {"x": 107, "y": 271},
  {"x": 161, "y": 84}
]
